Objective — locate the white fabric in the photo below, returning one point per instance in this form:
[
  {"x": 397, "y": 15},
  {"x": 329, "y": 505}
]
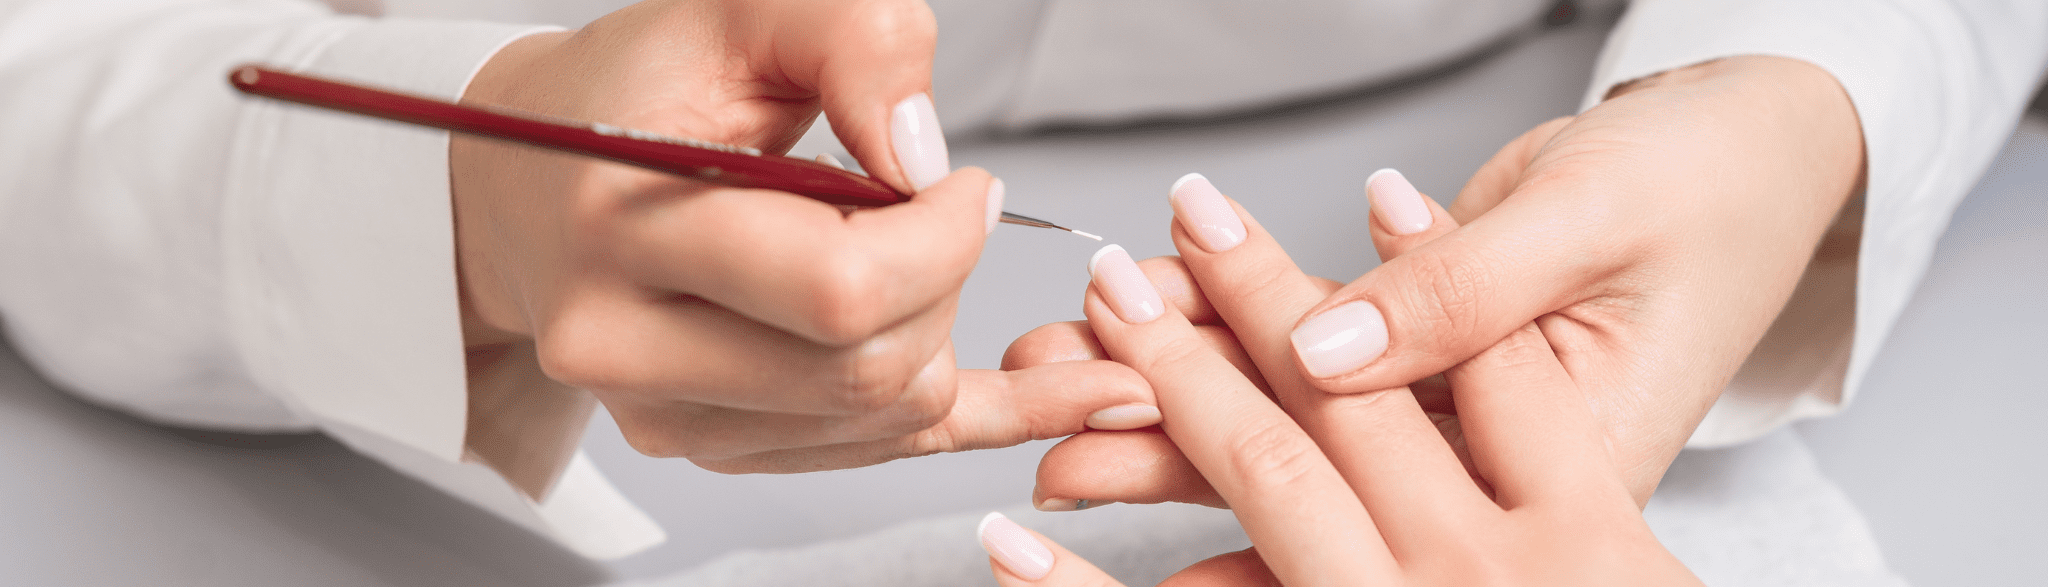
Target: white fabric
[
  {"x": 204, "y": 259},
  {"x": 1758, "y": 515}
]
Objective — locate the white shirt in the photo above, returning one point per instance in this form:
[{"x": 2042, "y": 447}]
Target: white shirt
[{"x": 202, "y": 259}]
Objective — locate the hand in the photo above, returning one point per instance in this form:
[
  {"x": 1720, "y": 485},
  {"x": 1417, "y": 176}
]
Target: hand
[
  {"x": 1657, "y": 236},
  {"x": 747, "y": 330},
  {"x": 1359, "y": 488}
]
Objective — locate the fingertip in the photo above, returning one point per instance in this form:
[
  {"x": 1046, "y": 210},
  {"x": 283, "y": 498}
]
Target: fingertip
[
  {"x": 1124, "y": 286},
  {"x": 1013, "y": 547}
]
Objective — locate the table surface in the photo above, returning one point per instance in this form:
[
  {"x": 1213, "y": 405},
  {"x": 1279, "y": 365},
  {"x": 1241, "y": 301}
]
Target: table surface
[{"x": 1943, "y": 451}]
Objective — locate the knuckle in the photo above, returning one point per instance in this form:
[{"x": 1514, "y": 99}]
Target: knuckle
[
  {"x": 895, "y": 23},
  {"x": 1443, "y": 296},
  {"x": 875, "y": 376},
  {"x": 1052, "y": 343},
  {"x": 1273, "y": 457},
  {"x": 845, "y": 301}
]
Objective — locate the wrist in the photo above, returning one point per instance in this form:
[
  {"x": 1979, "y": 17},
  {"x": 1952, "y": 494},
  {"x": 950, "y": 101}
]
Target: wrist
[{"x": 476, "y": 182}]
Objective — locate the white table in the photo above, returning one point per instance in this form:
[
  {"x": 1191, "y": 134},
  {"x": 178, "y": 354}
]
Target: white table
[{"x": 1944, "y": 450}]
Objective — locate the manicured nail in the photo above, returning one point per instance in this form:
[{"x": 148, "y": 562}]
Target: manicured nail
[
  {"x": 1015, "y": 548},
  {"x": 995, "y": 203},
  {"x": 1396, "y": 203},
  {"x": 1341, "y": 339},
  {"x": 920, "y": 147},
  {"x": 1124, "y": 417},
  {"x": 1125, "y": 286},
  {"x": 828, "y": 159},
  {"x": 1061, "y": 504},
  {"x": 1205, "y": 214}
]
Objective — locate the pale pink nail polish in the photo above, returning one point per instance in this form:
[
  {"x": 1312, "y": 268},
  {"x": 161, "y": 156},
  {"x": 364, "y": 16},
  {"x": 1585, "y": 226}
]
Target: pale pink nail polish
[
  {"x": 1016, "y": 549},
  {"x": 1341, "y": 339},
  {"x": 920, "y": 147},
  {"x": 1125, "y": 286},
  {"x": 995, "y": 203},
  {"x": 1396, "y": 203},
  {"x": 1124, "y": 417},
  {"x": 1204, "y": 213}
]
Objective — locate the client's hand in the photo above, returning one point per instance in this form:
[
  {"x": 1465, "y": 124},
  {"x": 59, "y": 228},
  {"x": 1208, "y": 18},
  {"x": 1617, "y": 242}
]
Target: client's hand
[
  {"x": 1360, "y": 489},
  {"x": 1655, "y": 237},
  {"x": 747, "y": 330}
]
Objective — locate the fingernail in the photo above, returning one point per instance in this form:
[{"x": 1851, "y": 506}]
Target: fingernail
[
  {"x": 1205, "y": 214},
  {"x": 828, "y": 159},
  {"x": 1125, "y": 286},
  {"x": 995, "y": 203},
  {"x": 1124, "y": 417},
  {"x": 1341, "y": 339},
  {"x": 920, "y": 147},
  {"x": 1396, "y": 203},
  {"x": 1061, "y": 504},
  {"x": 1015, "y": 548}
]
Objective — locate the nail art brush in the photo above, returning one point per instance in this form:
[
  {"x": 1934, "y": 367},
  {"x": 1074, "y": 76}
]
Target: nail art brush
[{"x": 701, "y": 160}]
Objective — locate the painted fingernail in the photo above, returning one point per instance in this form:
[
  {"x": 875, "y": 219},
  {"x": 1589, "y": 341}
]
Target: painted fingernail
[
  {"x": 995, "y": 203},
  {"x": 1014, "y": 547},
  {"x": 1125, "y": 286},
  {"x": 1396, "y": 203},
  {"x": 1124, "y": 417},
  {"x": 828, "y": 159},
  {"x": 920, "y": 147},
  {"x": 1061, "y": 504},
  {"x": 1204, "y": 213},
  {"x": 1341, "y": 339}
]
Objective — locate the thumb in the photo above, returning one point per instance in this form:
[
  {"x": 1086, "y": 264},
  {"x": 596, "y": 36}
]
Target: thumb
[
  {"x": 1450, "y": 293},
  {"x": 871, "y": 64}
]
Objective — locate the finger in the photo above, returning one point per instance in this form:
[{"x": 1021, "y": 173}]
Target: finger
[
  {"x": 802, "y": 266},
  {"x": 608, "y": 338},
  {"x": 1101, "y": 467},
  {"x": 1019, "y": 556},
  {"x": 1501, "y": 173},
  {"x": 662, "y": 427},
  {"x": 1285, "y": 493},
  {"x": 1074, "y": 341},
  {"x": 1441, "y": 302},
  {"x": 992, "y": 409},
  {"x": 1531, "y": 432},
  {"x": 1389, "y": 452},
  {"x": 870, "y": 64},
  {"x": 1403, "y": 218},
  {"x": 1242, "y": 568}
]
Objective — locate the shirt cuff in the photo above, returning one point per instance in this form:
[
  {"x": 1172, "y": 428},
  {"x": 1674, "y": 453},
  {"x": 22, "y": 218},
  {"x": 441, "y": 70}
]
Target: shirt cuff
[{"x": 342, "y": 270}]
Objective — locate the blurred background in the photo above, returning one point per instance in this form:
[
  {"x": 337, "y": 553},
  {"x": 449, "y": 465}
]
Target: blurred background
[{"x": 1943, "y": 452}]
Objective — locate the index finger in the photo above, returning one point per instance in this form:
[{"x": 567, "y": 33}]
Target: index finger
[
  {"x": 801, "y": 265},
  {"x": 1284, "y": 491}
]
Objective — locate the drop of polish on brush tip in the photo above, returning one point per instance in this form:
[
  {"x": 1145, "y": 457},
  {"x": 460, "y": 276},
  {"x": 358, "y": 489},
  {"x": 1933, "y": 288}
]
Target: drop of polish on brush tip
[{"x": 1084, "y": 234}]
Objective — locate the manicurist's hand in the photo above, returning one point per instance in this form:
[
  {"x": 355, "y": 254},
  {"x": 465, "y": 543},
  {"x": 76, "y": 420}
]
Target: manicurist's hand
[
  {"x": 1654, "y": 237},
  {"x": 747, "y": 330},
  {"x": 1356, "y": 489}
]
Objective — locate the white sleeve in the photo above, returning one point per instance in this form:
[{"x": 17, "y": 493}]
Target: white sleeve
[
  {"x": 1938, "y": 86},
  {"x": 196, "y": 257}
]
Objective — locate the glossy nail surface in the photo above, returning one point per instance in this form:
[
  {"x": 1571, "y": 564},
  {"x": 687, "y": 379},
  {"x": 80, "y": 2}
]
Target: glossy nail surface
[
  {"x": 1124, "y": 285},
  {"x": 1061, "y": 504},
  {"x": 1205, "y": 214},
  {"x": 1124, "y": 417},
  {"x": 920, "y": 147},
  {"x": 1396, "y": 203},
  {"x": 1341, "y": 339},
  {"x": 995, "y": 203},
  {"x": 1016, "y": 549}
]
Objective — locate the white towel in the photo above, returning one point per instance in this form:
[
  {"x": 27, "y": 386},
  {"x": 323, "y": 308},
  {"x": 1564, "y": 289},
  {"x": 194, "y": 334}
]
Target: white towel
[{"x": 1755, "y": 515}]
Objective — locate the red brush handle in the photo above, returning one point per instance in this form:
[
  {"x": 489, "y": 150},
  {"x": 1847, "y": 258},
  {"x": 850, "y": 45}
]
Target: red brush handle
[{"x": 717, "y": 164}]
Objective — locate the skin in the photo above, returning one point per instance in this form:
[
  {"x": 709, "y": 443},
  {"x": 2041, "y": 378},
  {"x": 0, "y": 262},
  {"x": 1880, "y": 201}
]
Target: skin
[
  {"x": 746, "y": 330},
  {"x": 1361, "y": 488},
  {"x": 1654, "y": 238}
]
